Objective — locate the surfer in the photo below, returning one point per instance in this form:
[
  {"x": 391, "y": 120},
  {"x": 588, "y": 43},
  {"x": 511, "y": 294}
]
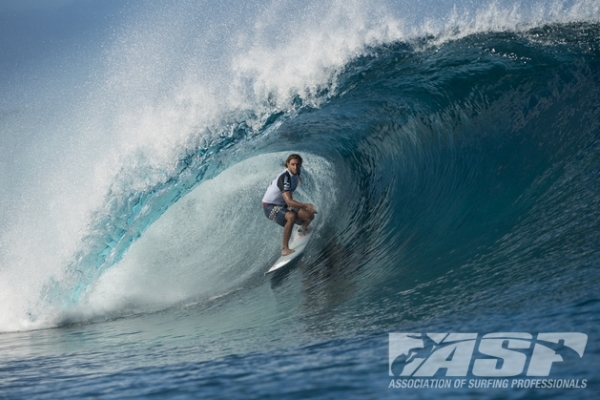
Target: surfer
[{"x": 279, "y": 205}]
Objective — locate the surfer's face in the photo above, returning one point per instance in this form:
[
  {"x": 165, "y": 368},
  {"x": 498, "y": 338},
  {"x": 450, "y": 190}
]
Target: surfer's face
[{"x": 294, "y": 166}]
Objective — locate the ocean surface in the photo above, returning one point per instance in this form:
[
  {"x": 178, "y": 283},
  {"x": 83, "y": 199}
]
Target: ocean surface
[{"x": 452, "y": 151}]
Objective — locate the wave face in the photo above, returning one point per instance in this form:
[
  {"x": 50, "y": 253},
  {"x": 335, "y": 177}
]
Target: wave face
[
  {"x": 456, "y": 171},
  {"x": 466, "y": 176},
  {"x": 441, "y": 155},
  {"x": 430, "y": 161}
]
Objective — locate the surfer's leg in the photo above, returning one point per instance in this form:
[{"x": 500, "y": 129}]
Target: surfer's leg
[
  {"x": 306, "y": 217},
  {"x": 290, "y": 218}
]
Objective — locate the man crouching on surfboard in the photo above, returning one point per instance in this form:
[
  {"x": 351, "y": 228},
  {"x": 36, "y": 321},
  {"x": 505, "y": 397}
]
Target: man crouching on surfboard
[{"x": 279, "y": 206}]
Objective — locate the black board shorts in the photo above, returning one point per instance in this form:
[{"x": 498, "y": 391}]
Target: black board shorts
[{"x": 277, "y": 213}]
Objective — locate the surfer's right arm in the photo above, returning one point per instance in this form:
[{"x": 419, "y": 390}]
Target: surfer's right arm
[{"x": 291, "y": 203}]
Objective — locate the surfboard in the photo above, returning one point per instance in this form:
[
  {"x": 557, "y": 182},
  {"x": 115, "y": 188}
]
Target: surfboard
[{"x": 298, "y": 244}]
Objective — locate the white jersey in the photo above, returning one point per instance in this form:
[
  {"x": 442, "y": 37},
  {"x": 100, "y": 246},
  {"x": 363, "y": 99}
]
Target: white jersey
[{"x": 284, "y": 182}]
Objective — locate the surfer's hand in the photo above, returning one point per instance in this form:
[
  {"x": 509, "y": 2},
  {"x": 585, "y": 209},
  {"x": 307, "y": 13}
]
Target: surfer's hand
[{"x": 310, "y": 208}]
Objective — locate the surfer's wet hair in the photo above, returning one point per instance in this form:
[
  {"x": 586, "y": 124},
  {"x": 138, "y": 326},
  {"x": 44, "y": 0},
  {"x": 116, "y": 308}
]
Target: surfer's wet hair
[{"x": 293, "y": 157}]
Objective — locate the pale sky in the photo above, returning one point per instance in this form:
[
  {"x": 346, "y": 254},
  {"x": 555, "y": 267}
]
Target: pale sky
[{"x": 32, "y": 4}]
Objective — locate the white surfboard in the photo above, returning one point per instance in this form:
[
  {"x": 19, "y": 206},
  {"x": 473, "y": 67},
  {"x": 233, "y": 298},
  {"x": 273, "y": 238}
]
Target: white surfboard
[{"x": 298, "y": 245}]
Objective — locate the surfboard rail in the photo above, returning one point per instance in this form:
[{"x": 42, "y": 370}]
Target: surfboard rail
[{"x": 298, "y": 245}]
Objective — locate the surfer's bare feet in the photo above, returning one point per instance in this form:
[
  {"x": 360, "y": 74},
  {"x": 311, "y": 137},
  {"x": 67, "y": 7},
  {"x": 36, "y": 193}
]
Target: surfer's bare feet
[{"x": 287, "y": 252}]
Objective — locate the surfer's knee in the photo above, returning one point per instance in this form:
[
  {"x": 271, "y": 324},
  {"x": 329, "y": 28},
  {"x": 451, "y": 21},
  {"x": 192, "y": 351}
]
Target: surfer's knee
[
  {"x": 305, "y": 215},
  {"x": 290, "y": 217}
]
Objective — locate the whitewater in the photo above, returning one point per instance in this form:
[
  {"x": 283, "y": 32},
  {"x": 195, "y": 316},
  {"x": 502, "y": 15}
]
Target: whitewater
[{"x": 452, "y": 152}]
